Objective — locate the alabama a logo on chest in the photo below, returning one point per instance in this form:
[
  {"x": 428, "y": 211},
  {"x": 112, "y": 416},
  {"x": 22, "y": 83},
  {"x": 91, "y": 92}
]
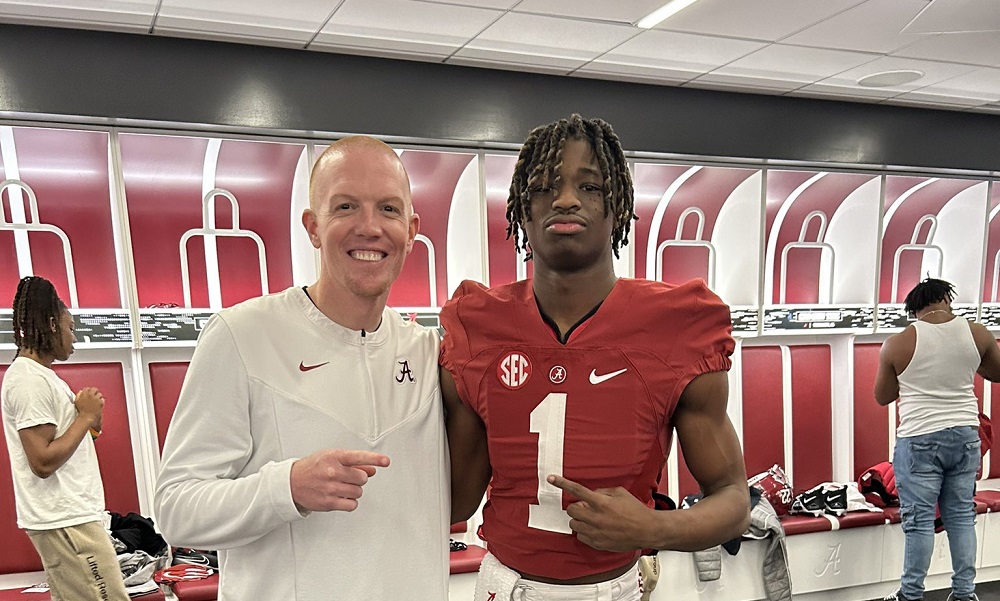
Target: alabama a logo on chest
[{"x": 513, "y": 370}]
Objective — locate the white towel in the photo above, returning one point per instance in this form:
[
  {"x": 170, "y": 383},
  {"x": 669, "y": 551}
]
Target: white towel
[{"x": 496, "y": 581}]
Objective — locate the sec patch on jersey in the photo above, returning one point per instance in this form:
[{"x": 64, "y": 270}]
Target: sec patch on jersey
[{"x": 514, "y": 370}]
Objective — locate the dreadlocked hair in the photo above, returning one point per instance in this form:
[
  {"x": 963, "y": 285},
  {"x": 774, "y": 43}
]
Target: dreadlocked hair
[
  {"x": 926, "y": 293},
  {"x": 36, "y": 307},
  {"x": 540, "y": 161}
]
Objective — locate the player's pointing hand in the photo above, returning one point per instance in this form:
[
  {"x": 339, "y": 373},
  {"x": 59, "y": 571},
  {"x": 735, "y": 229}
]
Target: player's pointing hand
[{"x": 608, "y": 519}]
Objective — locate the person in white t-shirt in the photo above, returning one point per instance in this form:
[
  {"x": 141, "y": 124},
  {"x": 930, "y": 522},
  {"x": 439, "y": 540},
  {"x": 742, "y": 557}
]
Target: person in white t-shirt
[
  {"x": 50, "y": 434},
  {"x": 295, "y": 402}
]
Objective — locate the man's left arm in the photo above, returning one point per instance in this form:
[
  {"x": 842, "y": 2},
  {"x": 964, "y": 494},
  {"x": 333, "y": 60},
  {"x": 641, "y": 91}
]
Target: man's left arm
[
  {"x": 611, "y": 519},
  {"x": 886, "y": 379}
]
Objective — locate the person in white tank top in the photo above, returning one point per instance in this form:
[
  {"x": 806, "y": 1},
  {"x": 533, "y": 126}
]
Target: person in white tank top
[{"x": 930, "y": 367}]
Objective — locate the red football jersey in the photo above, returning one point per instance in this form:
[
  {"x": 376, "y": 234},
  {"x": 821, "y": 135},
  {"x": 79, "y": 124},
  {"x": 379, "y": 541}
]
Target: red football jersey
[{"x": 596, "y": 409}]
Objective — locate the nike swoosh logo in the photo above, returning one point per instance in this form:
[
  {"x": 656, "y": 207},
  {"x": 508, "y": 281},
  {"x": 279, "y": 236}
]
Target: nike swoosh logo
[
  {"x": 596, "y": 379},
  {"x": 304, "y": 367}
]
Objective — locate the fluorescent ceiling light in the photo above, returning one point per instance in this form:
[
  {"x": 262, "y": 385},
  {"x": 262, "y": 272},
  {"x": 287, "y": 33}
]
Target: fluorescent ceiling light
[{"x": 661, "y": 14}]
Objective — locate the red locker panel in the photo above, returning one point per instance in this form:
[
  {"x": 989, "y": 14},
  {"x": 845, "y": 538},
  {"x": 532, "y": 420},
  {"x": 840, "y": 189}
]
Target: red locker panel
[
  {"x": 899, "y": 230},
  {"x": 995, "y": 418},
  {"x": 165, "y": 379},
  {"x": 502, "y": 258},
  {"x": 803, "y": 273},
  {"x": 871, "y": 420},
  {"x": 763, "y": 407},
  {"x": 706, "y": 190},
  {"x": 812, "y": 436},
  {"x": 991, "y": 287},
  {"x": 68, "y": 172},
  {"x": 164, "y": 181},
  {"x": 434, "y": 180},
  {"x": 163, "y": 188},
  {"x": 650, "y": 182},
  {"x": 763, "y": 426},
  {"x": 260, "y": 176},
  {"x": 114, "y": 453}
]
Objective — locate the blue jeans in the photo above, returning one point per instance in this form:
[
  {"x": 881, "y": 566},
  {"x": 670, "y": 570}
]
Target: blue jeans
[{"x": 938, "y": 469}]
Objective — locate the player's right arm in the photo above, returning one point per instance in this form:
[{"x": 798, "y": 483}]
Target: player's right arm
[
  {"x": 46, "y": 452},
  {"x": 470, "y": 459}
]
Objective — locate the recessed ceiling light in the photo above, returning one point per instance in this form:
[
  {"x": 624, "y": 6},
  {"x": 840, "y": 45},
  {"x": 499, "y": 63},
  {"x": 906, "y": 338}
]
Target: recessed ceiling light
[
  {"x": 888, "y": 79},
  {"x": 659, "y": 15}
]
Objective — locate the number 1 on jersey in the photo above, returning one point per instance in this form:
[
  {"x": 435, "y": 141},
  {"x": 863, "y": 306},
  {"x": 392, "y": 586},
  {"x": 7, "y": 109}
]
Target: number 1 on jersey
[{"x": 548, "y": 420}]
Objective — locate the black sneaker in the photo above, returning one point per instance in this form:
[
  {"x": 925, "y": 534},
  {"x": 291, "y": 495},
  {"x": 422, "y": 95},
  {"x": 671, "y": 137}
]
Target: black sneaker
[
  {"x": 835, "y": 499},
  {"x": 897, "y": 596},
  {"x": 810, "y": 502},
  {"x": 972, "y": 597}
]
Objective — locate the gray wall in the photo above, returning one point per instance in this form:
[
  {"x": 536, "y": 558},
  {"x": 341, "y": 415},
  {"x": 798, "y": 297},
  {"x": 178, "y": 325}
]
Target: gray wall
[{"x": 100, "y": 77}]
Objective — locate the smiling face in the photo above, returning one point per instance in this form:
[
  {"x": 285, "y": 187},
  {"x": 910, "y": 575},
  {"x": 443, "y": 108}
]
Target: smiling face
[
  {"x": 569, "y": 228},
  {"x": 361, "y": 217}
]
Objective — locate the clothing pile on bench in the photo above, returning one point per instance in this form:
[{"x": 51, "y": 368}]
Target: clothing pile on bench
[{"x": 140, "y": 548}]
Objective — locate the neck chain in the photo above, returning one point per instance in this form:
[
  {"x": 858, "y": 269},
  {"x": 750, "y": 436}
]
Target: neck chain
[{"x": 934, "y": 311}]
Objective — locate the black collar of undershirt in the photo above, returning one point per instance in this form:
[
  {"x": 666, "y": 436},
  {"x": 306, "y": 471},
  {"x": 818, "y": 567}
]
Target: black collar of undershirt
[
  {"x": 564, "y": 338},
  {"x": 306, "y": 290}
]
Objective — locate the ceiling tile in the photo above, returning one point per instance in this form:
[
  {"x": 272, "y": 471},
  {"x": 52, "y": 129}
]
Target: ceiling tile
[
  {"x": 244, "y": 18},
  {"x": 870, "y": 27},
  {"x": 842, "y": 94},
  {"x": 381, "y": 52},
  {"x": 980, "y": 85},
  {"x": 792, "y": 66},
  {"x": 957, "y": 15},
  {"x": 825, "y": 45},
  {"x": 527, "y": 39},
  {"x": 745, "y": 87},
  {"x": 121, "y": 15},
  {"x": 973, "y": 48},
  {"x": 675, "y": 56},
  {"x": 768, "y": 20},
  {"x": 933, "y": 72},
  {"x": 633, "y": 74},
  {"x": 365, "y": 46},
  {"x": 496, "y": 4},
  {"x": 918, "y": 99},
  {"x": 505, "y": 58},
  {"x": 749, "y": 82},
  {"x": 406, "y": 25},
  {"x": 621, "y": 12},
  {"x": 495, "y": 63}
]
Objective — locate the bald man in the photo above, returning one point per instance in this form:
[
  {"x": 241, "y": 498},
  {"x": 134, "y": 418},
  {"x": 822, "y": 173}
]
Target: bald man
[{"x": 308, "y": 443}]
